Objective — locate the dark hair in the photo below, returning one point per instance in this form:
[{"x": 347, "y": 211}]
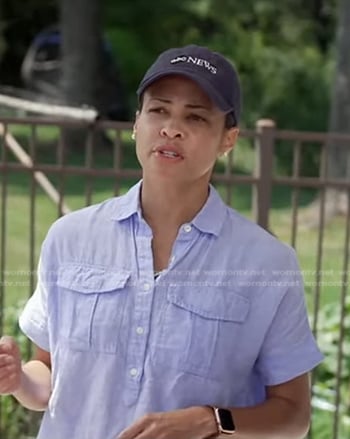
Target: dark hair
[
  {"x": 140, "y": 103},
  {"x": 229, "y": 119}
]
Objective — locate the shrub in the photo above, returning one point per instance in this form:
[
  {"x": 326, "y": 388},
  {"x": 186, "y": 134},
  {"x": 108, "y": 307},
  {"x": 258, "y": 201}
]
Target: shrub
[
  {"x": 326, "y": 374},
  {"x": 16, "y": 421}
]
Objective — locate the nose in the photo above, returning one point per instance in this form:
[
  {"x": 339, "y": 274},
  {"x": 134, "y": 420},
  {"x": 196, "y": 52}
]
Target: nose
[{"x": 172, "y": 130}]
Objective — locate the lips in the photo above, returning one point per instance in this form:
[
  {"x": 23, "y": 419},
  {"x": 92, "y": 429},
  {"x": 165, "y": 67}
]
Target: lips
[{"x": 168, "y": 151}]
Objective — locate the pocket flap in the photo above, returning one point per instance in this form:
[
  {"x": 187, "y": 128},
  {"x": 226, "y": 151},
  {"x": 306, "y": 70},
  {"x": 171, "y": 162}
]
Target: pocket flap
[
  {"x": 88, "y": 279},
  {"x": 212, "y": 303}
]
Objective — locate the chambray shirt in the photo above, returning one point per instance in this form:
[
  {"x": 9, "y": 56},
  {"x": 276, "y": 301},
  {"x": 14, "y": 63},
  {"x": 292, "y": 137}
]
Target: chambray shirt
[{"x": 224, "y": 320}]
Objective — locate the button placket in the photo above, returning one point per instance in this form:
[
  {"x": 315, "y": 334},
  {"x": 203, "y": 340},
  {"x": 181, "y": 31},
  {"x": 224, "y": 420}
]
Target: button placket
[
  {"x": 146, "y": 286},
  {"x": 142, "y": 311}
]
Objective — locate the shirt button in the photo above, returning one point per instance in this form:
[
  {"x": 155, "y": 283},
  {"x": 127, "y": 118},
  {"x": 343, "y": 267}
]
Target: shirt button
[
  {"x": 140, "y": 330},
  {"x": 133, "y": 372},
  {"x": 146, "y": 286},
  {"x": 187, "y": 228}
]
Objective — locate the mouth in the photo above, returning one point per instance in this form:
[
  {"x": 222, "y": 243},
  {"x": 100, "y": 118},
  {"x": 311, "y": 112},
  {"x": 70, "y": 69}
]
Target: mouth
[{"x": 169, "y": 153}]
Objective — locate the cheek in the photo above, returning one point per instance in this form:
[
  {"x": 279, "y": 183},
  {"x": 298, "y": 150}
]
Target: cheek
[
  {"x": 205, "y": 157},
  {"x": 140, "y": 152},
  {"x": 145, "y": 141},
  {"x": 146, "y": 130},
  {"x": 209, "y": 146}
]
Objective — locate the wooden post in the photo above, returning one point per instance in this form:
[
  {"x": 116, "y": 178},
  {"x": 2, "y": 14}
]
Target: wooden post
[
  {"x": 11, "y": 143},
  {"x": 262, "y": 190}
]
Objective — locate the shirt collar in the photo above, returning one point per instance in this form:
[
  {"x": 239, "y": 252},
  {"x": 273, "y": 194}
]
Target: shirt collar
[
  {"x": 212, "y": 215},
  {"x": 128, "y": 204},
  {"x": 208, "y": 220}
]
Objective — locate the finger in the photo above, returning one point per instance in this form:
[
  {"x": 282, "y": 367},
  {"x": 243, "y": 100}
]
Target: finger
[
  {"x": 8, "y": 386},
  {"x": 150, "y": 433},
  {"x": 6, "y": 379},
  {"x": 7, "y": 343},
  {"x": 130, "y": 433},
  {"x": 6, "y": 359},
  {"x": 6, "y": 371},
  {"x": 135, "y": 429}
]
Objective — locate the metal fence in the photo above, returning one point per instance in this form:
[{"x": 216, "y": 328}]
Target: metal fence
[{"x": 41, "y": 179}]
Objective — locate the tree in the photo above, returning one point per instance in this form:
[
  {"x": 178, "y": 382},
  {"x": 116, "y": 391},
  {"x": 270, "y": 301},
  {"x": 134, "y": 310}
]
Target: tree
[
  {"x": 339, "y": 157},
  {"x": 81, "y": 29},
  {"x": 338, "y": 165},
  {"x": 80, "y": 22}
]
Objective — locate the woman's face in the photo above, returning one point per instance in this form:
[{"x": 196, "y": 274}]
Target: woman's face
[{"x": 179, "y": 131}]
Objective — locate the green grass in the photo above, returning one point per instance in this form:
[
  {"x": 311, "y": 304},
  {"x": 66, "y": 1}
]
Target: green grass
[{"x": 322, "y": 425}]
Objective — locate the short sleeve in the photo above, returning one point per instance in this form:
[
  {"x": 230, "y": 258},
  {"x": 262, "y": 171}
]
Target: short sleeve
[
  {"x": 33, "y": 320},
  {"x": 289, "y": 348}
]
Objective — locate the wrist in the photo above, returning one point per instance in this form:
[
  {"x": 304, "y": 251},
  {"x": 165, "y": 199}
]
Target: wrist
[
  {"x": 224, "y": 421},
  {"x": 207, "y": 423},
  {"x": 21, "y": 384}
]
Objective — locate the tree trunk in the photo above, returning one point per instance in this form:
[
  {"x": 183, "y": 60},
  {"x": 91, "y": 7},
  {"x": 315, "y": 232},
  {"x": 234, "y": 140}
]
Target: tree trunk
[
  {"x": 339, "y": 163},
  {"x": 339, "y": 153},
  {"x": 81, "y": 46},
  {"x": 338, "y": 166},
  {"x": 80, "y": 22}
]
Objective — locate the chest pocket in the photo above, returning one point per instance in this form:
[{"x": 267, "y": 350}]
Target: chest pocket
[
  {"x": 91, "y": 303},
  {"x": 200, "y": 329}
]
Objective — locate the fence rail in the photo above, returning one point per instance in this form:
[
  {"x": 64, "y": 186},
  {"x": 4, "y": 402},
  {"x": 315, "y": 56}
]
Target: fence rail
[{"x": 38, "y": 169}]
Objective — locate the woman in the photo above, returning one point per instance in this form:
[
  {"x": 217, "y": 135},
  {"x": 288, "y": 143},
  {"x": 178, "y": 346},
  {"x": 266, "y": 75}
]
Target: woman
[{"x": 163, "y": 313}]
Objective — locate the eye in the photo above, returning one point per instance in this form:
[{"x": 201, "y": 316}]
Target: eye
[
  {"x": 158, "y": 110},
  {"x": 196, "y": 117}
]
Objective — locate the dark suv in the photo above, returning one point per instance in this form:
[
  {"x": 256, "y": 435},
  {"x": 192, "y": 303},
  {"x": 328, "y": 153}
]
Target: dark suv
[{"x": 41, "y": 74}]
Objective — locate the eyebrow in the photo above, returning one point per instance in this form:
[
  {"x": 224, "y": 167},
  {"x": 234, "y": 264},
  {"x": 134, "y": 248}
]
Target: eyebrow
[{"x": 192, "y": 106}]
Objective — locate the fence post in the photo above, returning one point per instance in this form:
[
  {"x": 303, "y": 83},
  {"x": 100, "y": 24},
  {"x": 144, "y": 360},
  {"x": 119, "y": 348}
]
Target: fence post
[{"x": 262, "y": 190}]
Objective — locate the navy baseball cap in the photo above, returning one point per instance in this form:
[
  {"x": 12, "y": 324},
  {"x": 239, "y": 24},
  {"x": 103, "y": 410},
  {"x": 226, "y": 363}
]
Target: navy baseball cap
[{"x": 210, "y": 70}]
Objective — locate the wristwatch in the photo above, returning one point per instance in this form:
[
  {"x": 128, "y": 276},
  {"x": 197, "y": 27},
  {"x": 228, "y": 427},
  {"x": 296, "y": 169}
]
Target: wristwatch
[{"x": 224, "y": 421}]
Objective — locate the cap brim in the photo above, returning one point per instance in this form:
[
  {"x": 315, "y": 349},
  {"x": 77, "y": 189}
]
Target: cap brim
[{"x": 205, "y": 85}]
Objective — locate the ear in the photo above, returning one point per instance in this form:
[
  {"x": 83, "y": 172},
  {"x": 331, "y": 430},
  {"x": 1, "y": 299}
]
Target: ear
[
  {"x": 229, "y": 140},
  {"x": 137, "y": 115}
]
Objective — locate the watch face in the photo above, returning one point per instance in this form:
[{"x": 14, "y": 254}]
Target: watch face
[{"x": 226, "y": 420}]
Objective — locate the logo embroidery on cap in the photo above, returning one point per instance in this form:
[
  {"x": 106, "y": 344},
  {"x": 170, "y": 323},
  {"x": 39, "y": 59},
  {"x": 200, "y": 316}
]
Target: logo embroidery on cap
[{"x": 197, "y": 61}]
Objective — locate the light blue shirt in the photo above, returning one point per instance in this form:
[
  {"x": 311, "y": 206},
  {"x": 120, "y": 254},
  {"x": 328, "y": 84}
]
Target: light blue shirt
[{"x": 224, "y": 320}]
